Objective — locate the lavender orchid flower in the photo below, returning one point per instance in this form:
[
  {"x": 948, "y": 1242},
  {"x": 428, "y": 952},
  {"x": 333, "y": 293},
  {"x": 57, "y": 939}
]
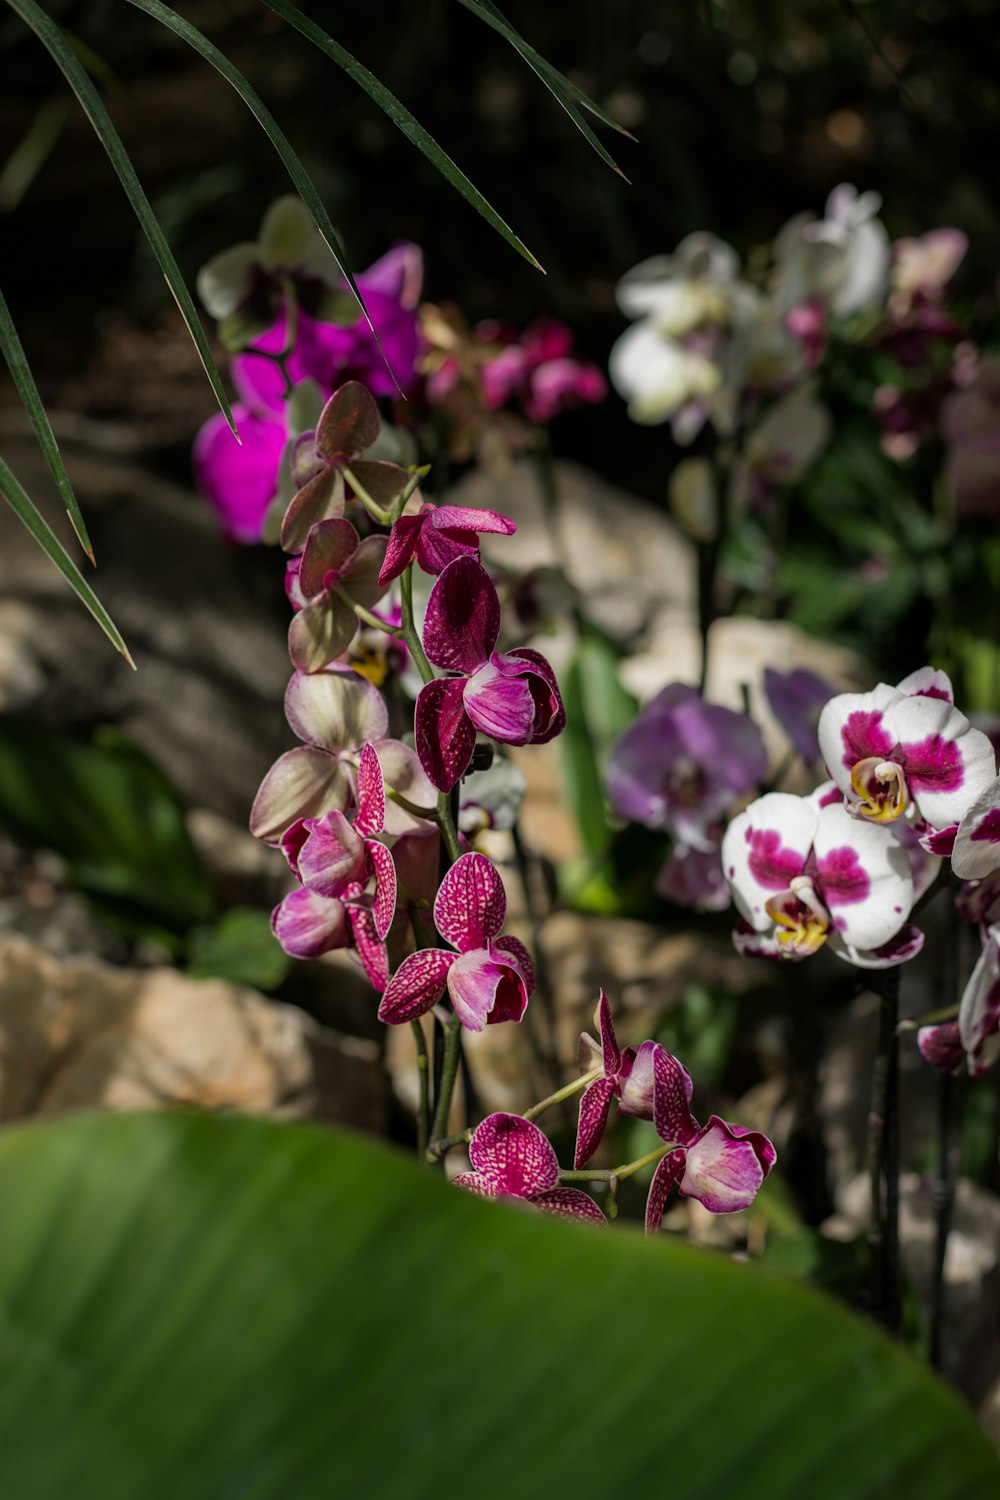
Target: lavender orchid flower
[
  {"x": 338, "y": 570},
  {"x": 512, "y": 1158},
  {"x": 488, "y": 979},
  {"x": 803, "y": 872},
  {"x": 796, "y": 699},
  {"x": 437, "y": 535},
  {"x": 720, "y": 1164},
  {"x": 511, "y": 696},
  {"x": 907, "y": 750}
]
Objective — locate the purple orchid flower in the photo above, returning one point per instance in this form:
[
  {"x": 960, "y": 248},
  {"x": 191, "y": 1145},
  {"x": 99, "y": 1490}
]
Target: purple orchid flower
[
  {"x": 489, "y": 979},
  {"x": 336, "y": 855},
  {"x": 906, "y": 749},
  {"x": 803, "y": 872},
  {"x": 720, "y": 1164},
  {"x": 514, "y": 1159},
  {"x": 796, "y": 699},
  {"x": 335, "y": 559},
  {"x": 627, "y": 1076},
  {"x": 240, "y": 479},
  {"x": 694, "y": 877},
  {"x": 511, "y": 696},
  {"x": 437, "y": 535},
  {"x": 683, "y": 763}
]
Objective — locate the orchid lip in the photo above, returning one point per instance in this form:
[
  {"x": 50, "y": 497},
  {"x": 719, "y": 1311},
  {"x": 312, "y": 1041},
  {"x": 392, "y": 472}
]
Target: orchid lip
[{"x": 882, "y": 793}]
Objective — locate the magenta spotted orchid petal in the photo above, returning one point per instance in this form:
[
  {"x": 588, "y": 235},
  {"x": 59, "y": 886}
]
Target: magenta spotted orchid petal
[
  {"x": 307, "y": 925},
  {"x": 512, "y": 1158},
  {"x": 683, "y": 763},
  {"x": 444, "y": 734},
  {"x": 595, "y": 1105},
  {"x": 906, "y": 750},
  {"x": 337, "y": 851},
  {"x": 491, "y": 979},
  {"x": 803, "y": 871},
  {"x": 595, "y": 1102},
  {"x": 719, "y": 1164},
  {"x": 462, "y": 621},
  {"x": 438, "y": 535}
]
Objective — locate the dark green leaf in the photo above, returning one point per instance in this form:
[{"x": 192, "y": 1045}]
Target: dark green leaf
[
  {"x": 209, "y": 1308},
  {"x": 27, "y": 512},
  {"x": 52, "y": 38},
  {"x": 401, "y": 117},
  {"x": 240, "y": 947},
  {"x": 112, "y": 814},
  {"x": 17, "y": 363}
]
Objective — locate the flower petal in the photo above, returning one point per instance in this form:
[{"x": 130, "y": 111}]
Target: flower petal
[
  {"x": 400, "y": 547},
  {"x": 639, "y": 1085},
  {"x": 610, "y": 1051},
  {"x": 947, "y": 762},
  {"x": 471, "y": 905},
  {"x": 402, "y": 771},
  {"x": 321, "y": 499},
  {"x": 514, "y": 1156},
  {"x": 568, "y": 1203},
  {"x": 925, "y": 682},
  {"x": 942, "y": 1046},
  {"x": 336, "y": 709},
  {"x": 595, "y": 1102},
  {"x": 976, "y": 851},
  {"x": 303, "y": 783},
  {"x": 550, "y": 714},
  {"x": 370, "y": 949},
  {"x": 500, "y": 705},
  {"x": 518, "y": 955},
  {"x": 979, "y": 1010},
  {"x": 796, "y": 699},
  {"x": 863, "y": 877},
  {"x": 671, "y": 1099},
  {"x": 476, "y": 982},
  {"x": 668, "y": 1169},
  {"x": 853, "y": 727},
  {"x": 474, "y": 1182},
  {"x": 417, "y": 984},
  {"x": 361, "y": 577},
  {"x": 901, "y": 947},
  {"x": 726, "y": 1166},
  {"x": 332, "y": 856},
  {"x": 371, "y": 794},
  {"x": 307, "y": 925},
  {"x": 462, "y": 621},
  {"x": 320, "y": 633},
  {"x": 329, "y": 548},
  {"x": 444, "y": 734},
  {"x": 384, "y": 869},
  {"x": 350, "y": 422},
  {"x": 764, "y": 849}
]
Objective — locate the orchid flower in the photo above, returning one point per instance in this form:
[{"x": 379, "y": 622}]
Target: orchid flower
[
  {"x": 336, "y": 712},
  {"x": 975, "y": 1036},
  {"x": 976, "y": 851},
  {"x": 796, "y": 699},
  {"x": 803, "y": 872},
  {"x": 308, "y": 925},
  {"x": 627, "y": 1076},
  {"x": 338, "y": 570},
  {"x": 907, "y": 749},
  {"x": 683, "y": 763},
  {"x": 511, "y": 696},
  {"x": 336, "y": 855},
  {"x": 512, "y": 1158},
  {"x": 720, "y": 1164},
  {"x": 841, "y": 260},
  {"x": 488, "y": 979},
  {"x": 437, "y": 535}
]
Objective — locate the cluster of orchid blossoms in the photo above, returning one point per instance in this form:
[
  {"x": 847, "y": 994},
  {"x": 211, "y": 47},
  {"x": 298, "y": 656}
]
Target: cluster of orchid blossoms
[
  {"x": 713, "y": 347},
  {"x": 296, "y": 333},
  {"x": 911, "y": 783},
  {"x": 721, "y": 1165}
]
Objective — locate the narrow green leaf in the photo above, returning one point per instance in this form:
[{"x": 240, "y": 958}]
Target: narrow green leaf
[
  {"x": 17, "y": 498},
  {"x": 32, "y": 151},
  {"x": 76, "y": 76},
  {"x": 559, "y": 87},
  {"x": 17, "y": 363},
  {"x": 296, "y": 171},
  {"x": 402, "y": 118}
]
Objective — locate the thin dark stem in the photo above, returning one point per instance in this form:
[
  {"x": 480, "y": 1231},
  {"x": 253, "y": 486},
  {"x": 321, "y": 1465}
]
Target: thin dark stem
[
  {"x": 944, "y": 1198},
  {"x": 449, "y": 1072},
  {"x": 423, "y": 1075},
  {"x": 883, "y": 1160}
]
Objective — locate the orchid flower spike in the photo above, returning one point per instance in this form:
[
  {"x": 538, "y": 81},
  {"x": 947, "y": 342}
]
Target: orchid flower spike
[{"x": 627, "y": 1077}]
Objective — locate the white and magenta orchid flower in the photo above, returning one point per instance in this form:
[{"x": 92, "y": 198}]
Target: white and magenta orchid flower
[
  {"x": 976, "y": 851},
  {"x": 803, "y": 872},
  {"x": 975, "y": 1036},
  {"x": 337, "y": 854},
  {"x": 627, "y": 1077},
  {"x": 719, "y": 1164},
  {"x": 907, "y": 750},
  {"x": 437, "y": 535},
  {"x": 512, "y": 1158},
  {"x": 511, "y": 695},
  {"x": 841, "y": 260},
  {"x": 488, "y": 979}
]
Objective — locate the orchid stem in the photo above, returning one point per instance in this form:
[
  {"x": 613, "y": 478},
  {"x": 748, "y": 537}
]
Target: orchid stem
[
  {"x": 566, "y": 1092},
  {"x": 618, "y": 1174},
  {"x": 449, "y": 1072},
  {"x": 377, "y": 512},
  {"x": 446, "y": 1143},
  {"x": 423, "y": 1074},
  {"x": 883, "y": 1160},
  {"x": 368, "y": 618},
  {"x": 409, "y": 629}
]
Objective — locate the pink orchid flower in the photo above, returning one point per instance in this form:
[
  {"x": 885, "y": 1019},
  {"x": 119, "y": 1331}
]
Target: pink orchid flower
[
  {"x": 337, "y": 567},
  {"x": 514, "y": 1159},
  {"x": 337, "y": 854},
  {"x": 437, "y": 535},
  {"x": 307, "y": 926},
  {"x": 628, "y": 1076},
  {"x": 975, "y": 1036},
  {"x": 511, "y": 696},
  {"x": 906, "y": 750},
  {"x": 720, "y": 1164},
  {"x": 488, "y": 979},
  {"x": 802, "y": 871}
]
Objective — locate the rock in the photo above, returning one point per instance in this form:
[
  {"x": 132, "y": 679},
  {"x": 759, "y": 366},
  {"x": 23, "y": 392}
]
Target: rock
[{"x": 77, "y": 1034}]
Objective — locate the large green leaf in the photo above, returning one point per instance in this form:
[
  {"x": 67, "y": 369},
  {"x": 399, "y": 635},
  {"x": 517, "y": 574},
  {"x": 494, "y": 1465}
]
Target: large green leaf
[
  {"x": 401, "y": 117},
  {"x": 213, "y": 1308},
  {"x": 21, "y": 503},
  {"x": 62, "y": 53}
]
